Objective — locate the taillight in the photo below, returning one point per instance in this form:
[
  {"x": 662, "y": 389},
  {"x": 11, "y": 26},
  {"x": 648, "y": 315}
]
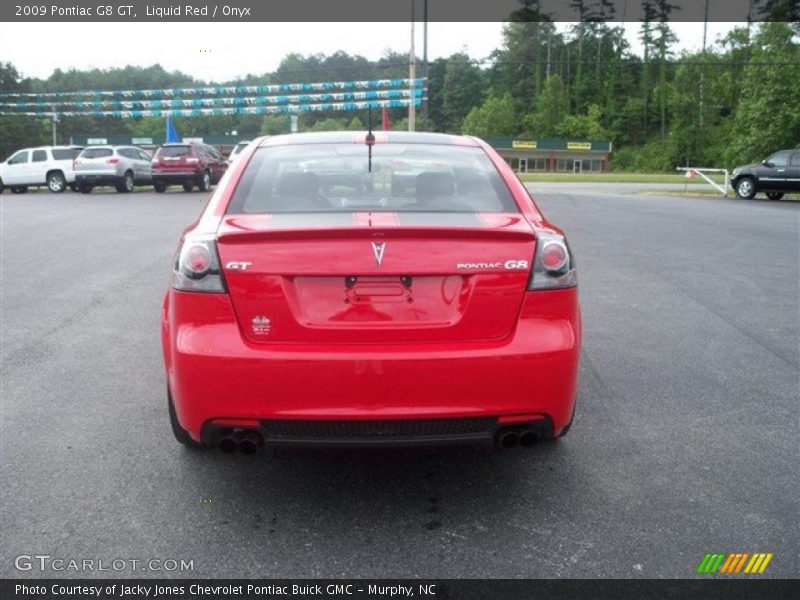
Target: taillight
[
  {"x": 112, "y": 161},
  {"x": 197, "y": 267},
  {"x": 553, "y": 265}
]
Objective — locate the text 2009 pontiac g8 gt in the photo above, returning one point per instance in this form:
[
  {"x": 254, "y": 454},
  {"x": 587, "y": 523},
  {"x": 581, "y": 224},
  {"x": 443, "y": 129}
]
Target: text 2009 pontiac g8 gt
[{"x": 354, "y": 288}]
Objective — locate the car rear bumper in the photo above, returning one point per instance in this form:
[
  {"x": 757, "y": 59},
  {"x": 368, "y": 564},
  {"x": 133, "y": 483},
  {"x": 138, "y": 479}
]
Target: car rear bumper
[
  {"x": 99, "y": 179},
  {"x": 177, "y": 177},
  {"x": 213, "y": 374}
]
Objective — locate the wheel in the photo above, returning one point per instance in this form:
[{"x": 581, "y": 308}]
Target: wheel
[
  {"x": 187, "y": 187},
  {"x": 2, "y": 187},
  {"x": 160, "y": 188},
  {"x": 746, "y": 188},
  {"x": 205, "y": 182},
  {"x": 126, "y": 186},
  {"x": 19, "y": 189},
  {"x": 774, "y": 195},
  {"x": 56, "y": 182},
  {"x": 74, "y": 187},
  {"x": 179, "y": 432},
  {"x": 86, "y": 188}
]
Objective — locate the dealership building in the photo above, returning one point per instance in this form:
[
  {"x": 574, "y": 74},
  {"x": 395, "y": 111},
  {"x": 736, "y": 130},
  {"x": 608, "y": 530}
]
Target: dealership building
[{"x": 554, "y": 155}]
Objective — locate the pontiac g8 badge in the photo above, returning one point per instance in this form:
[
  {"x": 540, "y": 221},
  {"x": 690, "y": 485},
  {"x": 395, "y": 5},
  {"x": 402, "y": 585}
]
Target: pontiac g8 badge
[{"x": 377, "y": 250}]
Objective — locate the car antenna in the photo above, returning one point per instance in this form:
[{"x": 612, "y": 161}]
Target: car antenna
[{"x": 370, "y": 139}]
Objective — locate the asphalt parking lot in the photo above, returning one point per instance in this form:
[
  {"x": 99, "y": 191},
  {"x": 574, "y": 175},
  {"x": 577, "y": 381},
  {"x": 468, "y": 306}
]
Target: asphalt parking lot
[{"x": 685, "y": 440}]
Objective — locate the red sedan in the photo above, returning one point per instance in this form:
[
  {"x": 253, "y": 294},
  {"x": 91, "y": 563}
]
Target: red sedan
[{"x": 354, "y": 288}]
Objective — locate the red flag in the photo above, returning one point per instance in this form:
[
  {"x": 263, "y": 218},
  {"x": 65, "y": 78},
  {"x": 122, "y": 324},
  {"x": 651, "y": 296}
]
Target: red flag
[{"x": 387, "y": 125}]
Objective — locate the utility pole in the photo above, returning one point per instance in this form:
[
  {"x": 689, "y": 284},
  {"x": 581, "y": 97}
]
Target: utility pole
[
  {"x": 425, "y": 63},
  {"x": 55, "y": 120},
  {"x": 412, "y": 75}
]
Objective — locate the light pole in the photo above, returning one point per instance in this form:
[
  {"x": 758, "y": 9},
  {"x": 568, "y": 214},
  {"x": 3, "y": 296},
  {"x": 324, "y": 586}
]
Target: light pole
[
  {"x": 412, "y": 75},
  {"x": 425, "y": 64},
  {"x": 55, "y": 120}
]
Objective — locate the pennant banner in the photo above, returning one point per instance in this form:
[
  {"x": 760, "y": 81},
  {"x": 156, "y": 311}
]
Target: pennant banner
[
  {"x": 234, "y": 89},
  {"x": 209, "y": 102},
  {"x": 236, "y": 110}
]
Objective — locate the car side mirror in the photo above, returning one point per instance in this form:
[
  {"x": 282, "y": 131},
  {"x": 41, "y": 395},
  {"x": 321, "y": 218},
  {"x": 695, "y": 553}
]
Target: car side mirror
[{"x": 766, "y": 163}]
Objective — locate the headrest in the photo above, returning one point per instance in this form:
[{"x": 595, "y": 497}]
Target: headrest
[
  {"x": 431, "y": 184},
  {"x": 297, "y": 184}
]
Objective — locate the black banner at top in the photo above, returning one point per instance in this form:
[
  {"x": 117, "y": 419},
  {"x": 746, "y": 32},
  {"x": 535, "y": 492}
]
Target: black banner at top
[{"x": 397, "y": 10}]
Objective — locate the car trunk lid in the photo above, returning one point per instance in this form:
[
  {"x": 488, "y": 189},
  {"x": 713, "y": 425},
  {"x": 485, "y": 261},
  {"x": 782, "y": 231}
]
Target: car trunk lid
[{"x": 376, "y": 277}]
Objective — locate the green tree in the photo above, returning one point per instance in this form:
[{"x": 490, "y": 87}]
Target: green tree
[
  {"x": 275, "y": 124},
  {"x": 495, "y": 117},
  {"x": 767, "y": 117},
  {"x": 463, "y": 90},
  {"x": 18, "y": 131},
  {"x": 551, "y": 108},
  {"x": 587, "y": 126}
]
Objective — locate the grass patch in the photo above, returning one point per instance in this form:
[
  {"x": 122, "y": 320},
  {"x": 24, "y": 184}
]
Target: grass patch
[{"x": 676, "y": 178}]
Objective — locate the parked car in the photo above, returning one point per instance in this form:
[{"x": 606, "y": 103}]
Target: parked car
[
  {"x": 46, "y": 165},
  {"x": 777, "y": 175},
  {"x": 316, "y": 303},
  {"x": 189, "y": 165},
  {"x": 120, "y": 166},
  {"x": 237, "y": 150}
]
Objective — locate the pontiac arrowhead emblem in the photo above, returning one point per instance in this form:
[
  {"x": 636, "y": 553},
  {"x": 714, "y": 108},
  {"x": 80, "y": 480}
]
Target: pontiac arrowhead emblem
[{"x": 377, "y": 250}]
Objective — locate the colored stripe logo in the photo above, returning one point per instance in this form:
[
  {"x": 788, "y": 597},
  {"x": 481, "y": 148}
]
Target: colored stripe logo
[{"x": 734, "y": 563}]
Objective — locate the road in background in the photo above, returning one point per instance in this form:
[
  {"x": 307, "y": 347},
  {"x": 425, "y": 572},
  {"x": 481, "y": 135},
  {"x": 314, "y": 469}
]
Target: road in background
[{"x": 685, "y": 440}]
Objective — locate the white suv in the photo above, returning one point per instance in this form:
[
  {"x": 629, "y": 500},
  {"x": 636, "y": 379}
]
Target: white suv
[{"x": 47, "y": 165}]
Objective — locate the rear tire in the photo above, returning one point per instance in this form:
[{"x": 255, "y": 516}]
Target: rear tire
[
  {"x": 2, "y": 187},
  {"x": 160, "y": 188},
  {"x": 179, "y": 432},
  {"x": 86, "y": 188},
  {"x": 19, "y": 189},
  {"x": 126, "y": 187},
  {"x": 205, "y": 182},
  {"x": 746, "y": 188},
  {"x": 774, "y": 195},
  {"x": 56, "y": 182},
  {"x": 188, "y": 187},
  {"x": 74, "y": 187}
]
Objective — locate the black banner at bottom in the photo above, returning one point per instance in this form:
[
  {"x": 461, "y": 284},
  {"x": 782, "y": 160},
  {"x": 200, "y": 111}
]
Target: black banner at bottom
[{"x": 394, "y": 589}]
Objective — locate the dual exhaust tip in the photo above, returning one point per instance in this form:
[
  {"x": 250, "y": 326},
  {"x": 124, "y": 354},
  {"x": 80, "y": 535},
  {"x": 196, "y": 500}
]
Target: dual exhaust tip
[
  {"x": 247, "y": 442},
  {"x": 524, "y": 437}
]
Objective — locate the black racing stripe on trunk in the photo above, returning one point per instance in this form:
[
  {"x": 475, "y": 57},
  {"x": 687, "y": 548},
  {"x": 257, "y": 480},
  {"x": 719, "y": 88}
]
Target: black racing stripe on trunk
[
  {"x": 439, "y": 219},
  {"x": 310, "y": 220}
]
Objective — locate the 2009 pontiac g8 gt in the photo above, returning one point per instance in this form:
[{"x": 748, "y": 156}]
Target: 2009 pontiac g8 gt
[{"x": 360, "y": 288}]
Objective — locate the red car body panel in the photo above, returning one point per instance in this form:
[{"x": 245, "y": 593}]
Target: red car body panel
[{"x": 449, "y": 345}]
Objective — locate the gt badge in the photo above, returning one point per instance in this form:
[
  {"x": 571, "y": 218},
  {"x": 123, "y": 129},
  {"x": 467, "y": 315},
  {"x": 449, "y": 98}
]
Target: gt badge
[
  {"x": 261, "y": 325},
  {"x": 378, "y": 249},
  {"x": 238, "y": 265}
]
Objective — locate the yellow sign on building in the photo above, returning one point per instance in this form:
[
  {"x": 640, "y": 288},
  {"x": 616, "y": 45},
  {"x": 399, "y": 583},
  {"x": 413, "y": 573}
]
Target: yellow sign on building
[
  {"x": 523, "y": 145},
  {"x": 579, "y": 145}
]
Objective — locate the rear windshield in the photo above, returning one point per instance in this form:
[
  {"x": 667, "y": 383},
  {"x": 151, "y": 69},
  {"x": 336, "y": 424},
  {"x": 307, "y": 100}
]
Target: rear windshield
[
  {"x": 97, "y": 152},
  {"x": 65, "y": 153},
  {"x": 173, "y": 151},
  {"x": 404, "y": 177}
]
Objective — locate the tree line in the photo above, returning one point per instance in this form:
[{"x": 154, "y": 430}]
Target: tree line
[{"x": 733, "y": 101}]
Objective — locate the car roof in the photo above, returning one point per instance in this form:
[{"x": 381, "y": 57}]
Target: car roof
[{"x": 350, "y": 137}]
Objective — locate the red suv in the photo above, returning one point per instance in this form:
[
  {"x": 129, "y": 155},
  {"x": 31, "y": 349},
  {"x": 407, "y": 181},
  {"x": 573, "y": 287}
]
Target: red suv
[{"x": 189, "y": 164}]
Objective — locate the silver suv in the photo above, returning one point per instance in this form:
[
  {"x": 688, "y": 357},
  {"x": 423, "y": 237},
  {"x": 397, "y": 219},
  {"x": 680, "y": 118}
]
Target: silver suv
[{"x": 120, "y": 166}]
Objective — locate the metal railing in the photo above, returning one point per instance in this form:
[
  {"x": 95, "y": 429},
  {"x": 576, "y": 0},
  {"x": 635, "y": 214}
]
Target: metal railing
[{"x": 701, "y": 171}]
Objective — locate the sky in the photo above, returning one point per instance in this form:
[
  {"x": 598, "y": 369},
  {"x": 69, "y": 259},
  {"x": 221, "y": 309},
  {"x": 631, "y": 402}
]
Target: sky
[{"x": 225, "y": 51}]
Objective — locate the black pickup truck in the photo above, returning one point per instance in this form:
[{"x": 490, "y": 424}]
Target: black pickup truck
[{"x": 777, "y": 175}]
